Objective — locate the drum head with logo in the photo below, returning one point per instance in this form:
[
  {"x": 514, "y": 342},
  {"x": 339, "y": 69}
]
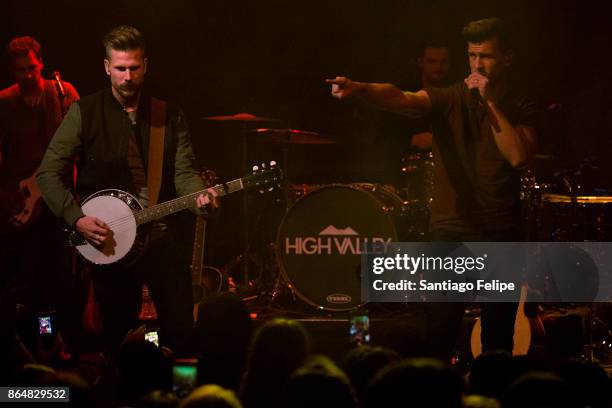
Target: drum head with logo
[{"x": 320, "y": 240}]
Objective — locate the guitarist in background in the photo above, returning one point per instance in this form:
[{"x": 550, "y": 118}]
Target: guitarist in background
[
  {"x": 110, "y": 132},
  {"x": 34, "y": 266}
]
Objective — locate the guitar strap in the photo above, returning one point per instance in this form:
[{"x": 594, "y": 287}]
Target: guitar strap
[
  {"x": 157, "y": 135},
  {"x": 54, "y": 109}
]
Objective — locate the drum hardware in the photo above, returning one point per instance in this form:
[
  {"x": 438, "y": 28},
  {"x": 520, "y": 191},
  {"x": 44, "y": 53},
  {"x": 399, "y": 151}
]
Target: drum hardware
[
  {"x": 416, "y": 192},
  {"x": 246, "y": 271},
  {"x": 280, "y": 288},
  {"x": 410, "y": 162},
  {"x": 241, "y": 117},
  {"x": 373, "y": 188},
  {"x": 297, "y": 191},
  {"x": 237, "y": 281},
  {"x": 576, "y": 218},
  {"x": 566, "y": 208},
  {"x": 600, "y": 345},
  {"x": 245, "y": 121},
  {"x": 289, "y": 136},
  {"x": 531, "y": 198}
]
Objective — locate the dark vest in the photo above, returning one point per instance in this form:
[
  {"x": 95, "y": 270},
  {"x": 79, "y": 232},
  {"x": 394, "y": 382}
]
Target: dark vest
[{"x": 106, "y": 129}]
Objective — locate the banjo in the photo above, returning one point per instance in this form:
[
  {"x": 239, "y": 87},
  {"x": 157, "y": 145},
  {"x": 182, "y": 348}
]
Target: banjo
[{"x": 126, "y": 216}]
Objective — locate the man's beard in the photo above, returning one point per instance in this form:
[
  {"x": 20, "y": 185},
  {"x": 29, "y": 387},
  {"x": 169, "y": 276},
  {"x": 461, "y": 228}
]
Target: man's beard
[
  {"x": 29, "y": 84},
  {"x": 127, "y": 91}
]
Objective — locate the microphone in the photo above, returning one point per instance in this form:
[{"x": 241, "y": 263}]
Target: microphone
[{"x": 59, "y": 84}]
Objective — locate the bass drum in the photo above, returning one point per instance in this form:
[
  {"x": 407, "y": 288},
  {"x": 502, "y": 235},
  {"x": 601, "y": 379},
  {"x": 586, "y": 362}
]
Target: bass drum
[{"x": 320, "y": 239}]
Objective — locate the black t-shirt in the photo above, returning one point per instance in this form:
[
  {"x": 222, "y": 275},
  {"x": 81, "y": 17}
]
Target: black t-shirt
[{"x": 475, "y": 188}]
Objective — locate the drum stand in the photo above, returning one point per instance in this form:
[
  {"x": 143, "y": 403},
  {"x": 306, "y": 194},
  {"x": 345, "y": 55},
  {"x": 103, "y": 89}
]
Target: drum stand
[
  {"x": 264, "y": 286},
  {"x": 280, "y": 284},
  {"x": 247, "y": 235},
  {"x": 247, "y": 123},
  {"x": 245, "y": 211}
]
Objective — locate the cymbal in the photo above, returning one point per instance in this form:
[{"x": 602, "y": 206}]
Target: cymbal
[
  {"x": 289, "y": 136},
  {"x": 241, "y": 117}
]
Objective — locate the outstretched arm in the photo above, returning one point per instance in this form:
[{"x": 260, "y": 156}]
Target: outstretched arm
[{"x": 383, "y": 96}]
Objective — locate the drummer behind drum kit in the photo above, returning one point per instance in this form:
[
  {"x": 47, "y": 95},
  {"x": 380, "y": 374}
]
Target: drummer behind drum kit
[{"x": 323, "y": 226}]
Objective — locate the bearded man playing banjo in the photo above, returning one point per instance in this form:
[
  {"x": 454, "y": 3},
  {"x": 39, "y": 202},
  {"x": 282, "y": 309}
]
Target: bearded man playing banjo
[{"x": 125, "y": 139}]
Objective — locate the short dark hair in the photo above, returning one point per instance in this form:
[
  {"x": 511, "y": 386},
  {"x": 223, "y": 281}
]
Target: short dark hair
[
  {"x": 486, "y": 29},
  {"x": 21, "y": 47},
  {"x": 124, "y": 38},
  {"x": 432, "y": 43}
]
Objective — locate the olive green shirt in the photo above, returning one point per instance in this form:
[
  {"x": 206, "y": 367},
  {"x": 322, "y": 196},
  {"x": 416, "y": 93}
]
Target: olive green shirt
[{"x": 96, "y": 130}]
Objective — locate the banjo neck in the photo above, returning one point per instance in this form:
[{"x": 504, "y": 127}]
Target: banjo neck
[{"x": 188, "y": 201}]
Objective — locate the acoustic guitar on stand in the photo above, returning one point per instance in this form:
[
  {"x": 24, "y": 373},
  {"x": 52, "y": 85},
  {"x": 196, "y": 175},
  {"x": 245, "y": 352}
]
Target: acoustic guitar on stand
[
  {"x": 204, "y": 279},
  {"x": 529, "y": 333}
]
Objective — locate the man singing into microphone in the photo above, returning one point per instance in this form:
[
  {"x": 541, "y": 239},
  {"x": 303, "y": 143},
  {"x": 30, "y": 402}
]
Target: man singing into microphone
[{"x": 483, "y": 132}]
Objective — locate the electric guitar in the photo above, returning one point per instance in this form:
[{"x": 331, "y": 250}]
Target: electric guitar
[
  {"x": 33, "y": 204},
  {"x": 125, "y": 216}
]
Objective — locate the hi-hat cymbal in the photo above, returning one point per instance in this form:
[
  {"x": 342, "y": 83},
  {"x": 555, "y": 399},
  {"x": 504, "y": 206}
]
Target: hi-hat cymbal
[
  {"x": 289, "y": 136},
  {"x": 241, "y": 117}
]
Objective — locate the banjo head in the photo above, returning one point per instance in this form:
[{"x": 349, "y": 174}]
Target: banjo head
[{"x": 115, "y": 208}]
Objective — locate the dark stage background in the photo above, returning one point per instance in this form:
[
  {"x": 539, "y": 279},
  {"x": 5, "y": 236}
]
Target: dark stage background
[{"x": 270, "y": 58}]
